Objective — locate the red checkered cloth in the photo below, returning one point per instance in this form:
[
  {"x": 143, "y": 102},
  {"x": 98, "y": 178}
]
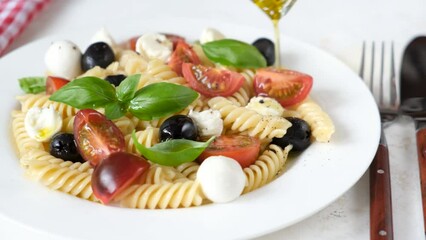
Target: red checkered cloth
[{"x": 15, "y": 15}]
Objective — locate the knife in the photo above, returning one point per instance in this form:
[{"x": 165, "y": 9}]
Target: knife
[{"x": 413, "y": 101}]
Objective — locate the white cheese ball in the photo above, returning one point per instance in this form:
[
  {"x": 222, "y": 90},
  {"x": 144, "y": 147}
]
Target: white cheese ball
[
  {"x": 63, "y": 59},
  {"x": 209, "y": 122},
  {"x": 103, "y": 36},
  {"x": 154, "y": 45},
  {"x": 221, "y": 178},
  {"x": 42, "y": 123},
  {"x": 209, "y": 35},
  {"x": 266, "y": 106}
]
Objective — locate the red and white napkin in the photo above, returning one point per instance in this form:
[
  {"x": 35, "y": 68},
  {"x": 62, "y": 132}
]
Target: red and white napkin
[{"x": 15, "y": 15}]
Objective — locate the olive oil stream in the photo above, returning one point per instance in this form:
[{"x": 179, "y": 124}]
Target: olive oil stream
[{"x": 275, "y": 9}]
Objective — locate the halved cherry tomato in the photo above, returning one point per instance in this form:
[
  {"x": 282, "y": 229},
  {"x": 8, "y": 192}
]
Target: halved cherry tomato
[
  {"x": 96, "y": 136},
  {"x": 212, "y": 82},
  {"x": 172, "y": 37},
  {"x": 54, "y": 83},
  {"x": 182, "y": 54},
  {"x": 244, "y": 149},
  {"x": 115, "y": 173},
  {"x": 286, "y": 86}
]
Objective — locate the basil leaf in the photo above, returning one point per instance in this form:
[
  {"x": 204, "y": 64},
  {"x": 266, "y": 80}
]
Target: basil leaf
[
  {"x": 127, "y": 88},
  {"x": 115, "y": 110},
  {"x": 172, "y": 152},
  {"x": 86, "y": 92},
  {"x": 32, "y": 84},
  {"x": 235, "y": 53},
  {"x": 161, "y": 99}
]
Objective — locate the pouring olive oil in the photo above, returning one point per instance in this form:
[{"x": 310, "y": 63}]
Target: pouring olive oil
[{"x": 275, "y": 9}]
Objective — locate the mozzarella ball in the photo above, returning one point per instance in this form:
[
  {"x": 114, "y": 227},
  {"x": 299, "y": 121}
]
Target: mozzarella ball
[
  {"x": 63, "y": 59},
  {"x": 154, "y": 45}
]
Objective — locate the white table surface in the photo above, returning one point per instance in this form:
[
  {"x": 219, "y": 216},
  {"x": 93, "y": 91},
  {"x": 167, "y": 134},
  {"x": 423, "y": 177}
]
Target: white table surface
[{"x": 336, "y": 26}]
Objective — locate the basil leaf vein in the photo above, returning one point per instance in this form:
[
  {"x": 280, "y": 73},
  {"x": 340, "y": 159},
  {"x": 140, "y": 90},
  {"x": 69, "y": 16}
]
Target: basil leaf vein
[{"x": 127, "y": 88}]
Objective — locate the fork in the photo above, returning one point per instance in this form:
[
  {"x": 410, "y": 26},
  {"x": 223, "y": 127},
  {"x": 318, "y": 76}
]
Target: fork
[{"x": 381, "y": 223}]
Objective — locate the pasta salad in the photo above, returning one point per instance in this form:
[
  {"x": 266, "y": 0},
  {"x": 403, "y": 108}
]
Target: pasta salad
[{"x": 159, "y": 122}]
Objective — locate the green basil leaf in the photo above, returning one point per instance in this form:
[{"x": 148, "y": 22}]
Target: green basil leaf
[
  {"x": 161, "y": 99},
  {"x": 127, "y": 88},
  {"x": 32, "y": 84},
  {"x": 115, "y": 110},
  {"x": 235, "y": 53},
  {"x": 86, "y": 92},
  {"x": 173, "y": 152}
]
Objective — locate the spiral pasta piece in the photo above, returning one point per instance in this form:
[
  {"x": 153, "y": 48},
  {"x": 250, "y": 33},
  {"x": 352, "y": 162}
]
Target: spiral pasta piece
[
  {"x": 249, "y": 81},
  {"x": 42, "y": 101},
  {"x": 322, "y": 126},
  {"x": 246, "y": 120},
  {"x": 64, "y": 176},
  {"x": 68, "y": 124},
  {"x": 22, "y": 140},
  {"x": 189, "y": 170},
  {"x": 158, "y": 174},
  {"x": 148, "y": 137},
  {"x": 266, "y": 168},
  {"x": 125, "y": 125},
  {"x": 157, "y": 71},
  {"x": 240, "y": 98},
  {"x": 131, "y": 63},
  {"x": 169, "y": 195}
]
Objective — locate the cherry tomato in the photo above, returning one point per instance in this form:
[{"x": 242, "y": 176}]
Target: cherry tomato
[
  {"x": 244, "y": 149},
  {"x": 96, "y": 136},
  {"x": 174, "y": 38},
  {"x": 115, "y": 173},
  {"x": 286, "y": 86},
  {"x": 182, "y": 54},
  {"x": 212, "y": 82},
  {"x": 54, "y": 83}
]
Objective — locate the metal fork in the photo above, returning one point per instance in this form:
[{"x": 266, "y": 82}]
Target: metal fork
[{"x": 381, "y": 223}]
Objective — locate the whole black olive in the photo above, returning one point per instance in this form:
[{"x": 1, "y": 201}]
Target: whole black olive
[
  {"x": 178, "y": 127},
  {"x": 267, "y": 48},
  {"x": 63, "y": 146},
  {"x": 115, "y": 79},
  {"x": 98, "y": 54},
  {"x": 298, "y": 135}
]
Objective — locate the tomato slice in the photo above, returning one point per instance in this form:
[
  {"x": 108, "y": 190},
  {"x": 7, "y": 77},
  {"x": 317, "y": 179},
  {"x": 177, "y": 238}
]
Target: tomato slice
[
  {"x": 286, "y": 86},
  {"x": 182, "y": 54},
  {"x": 116, "y": 173},
  {"x": 53, "y": 84},
  {"x": 212, "y": 82},
  {"x": 96, "y": 136},
  {"x": 132, "y": 42},
  {"x": 244, "y": 149}
]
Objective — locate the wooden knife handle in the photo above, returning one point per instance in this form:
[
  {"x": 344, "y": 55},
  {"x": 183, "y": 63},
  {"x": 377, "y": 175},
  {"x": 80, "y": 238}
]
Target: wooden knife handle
[
  {"x": 421, "y": 154},
  {"x": 381, "y": 223}
]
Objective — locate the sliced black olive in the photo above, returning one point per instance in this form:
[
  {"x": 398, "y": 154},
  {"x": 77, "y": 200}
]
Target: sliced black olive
[{"x": 178, "y": 127}]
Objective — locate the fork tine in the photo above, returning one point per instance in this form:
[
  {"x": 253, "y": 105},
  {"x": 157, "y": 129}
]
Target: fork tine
[
  {"x": 361, "y": 68},
  {"x": 393, "y": 96},
  {"x": 372, "y": 67},
  {"x": 382, "y": 64}
]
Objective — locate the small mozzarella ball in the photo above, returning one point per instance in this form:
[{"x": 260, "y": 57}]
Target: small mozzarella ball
[
  {"x": 63, "y": 59},
  {"x": 209, "y": 35},
  {"x": 208, "y": 122},
  {"x": 266, "y": 106},
  {"x": 42, "y": 123},
  {"x": 154, "y": 45},
  {"x": 221, "y": 178},
  {"x": 103, "y": 36}
]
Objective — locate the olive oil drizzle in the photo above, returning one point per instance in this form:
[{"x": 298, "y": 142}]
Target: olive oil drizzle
[{"x": 275, "y": 9}]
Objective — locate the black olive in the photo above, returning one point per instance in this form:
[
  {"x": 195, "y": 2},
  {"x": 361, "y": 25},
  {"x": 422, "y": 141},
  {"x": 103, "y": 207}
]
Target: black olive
[
  {"x": 298, "y": 135},
  {"x": 63, "y": 146},
  {"x": 267, "y": 48},
  {"x": 98, "y": 54},
  {"x": 178, "y": 127},
  {"x": 115, "y": 79}
]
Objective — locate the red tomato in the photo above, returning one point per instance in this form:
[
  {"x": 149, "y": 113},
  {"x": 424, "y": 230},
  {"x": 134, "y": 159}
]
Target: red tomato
[
  {"x": 115, "y": 173},
  {"x": 132, "y": 43},
  {"x": 286, "y": 86},
  {"x": 96, "y": 136},
  {"x": 54, "y": 83},
  {"x": 182, "y": 54},
  {"x": 212, "y": 82},
  {"x": 244, "y": 149}
]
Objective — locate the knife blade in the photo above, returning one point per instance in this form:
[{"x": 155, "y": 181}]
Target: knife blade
[{"x": 413, "y": 101}]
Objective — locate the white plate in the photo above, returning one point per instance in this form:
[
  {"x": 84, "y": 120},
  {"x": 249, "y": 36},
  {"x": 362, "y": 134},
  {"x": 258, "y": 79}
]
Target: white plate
[{"x": 312, "y": 180}]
